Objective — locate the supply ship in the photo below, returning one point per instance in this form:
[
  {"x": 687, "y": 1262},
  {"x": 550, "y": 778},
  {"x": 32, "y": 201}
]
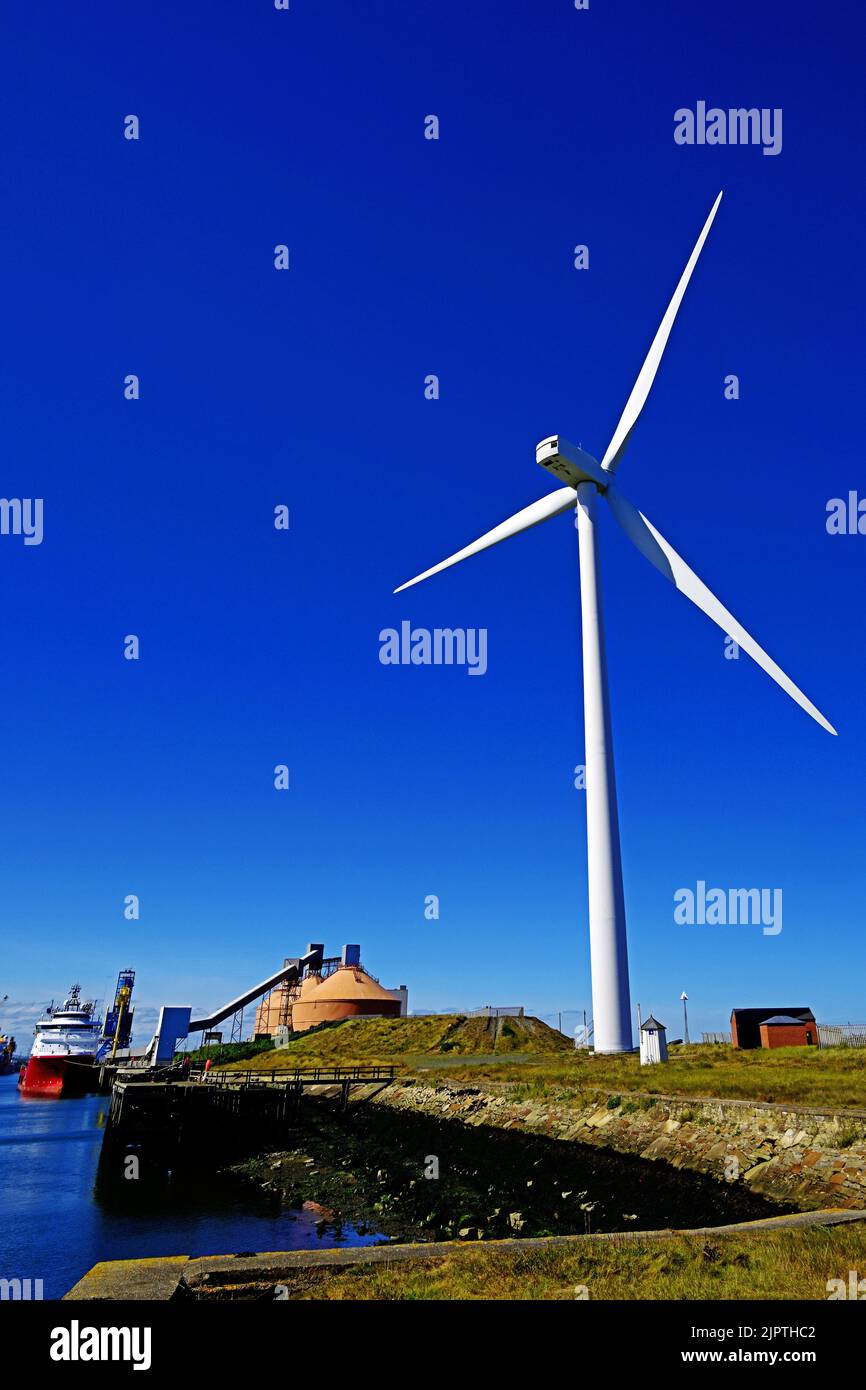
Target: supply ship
[
  {"x": 67, "y": 1044},
  {"x": 70, "y": 1041}
]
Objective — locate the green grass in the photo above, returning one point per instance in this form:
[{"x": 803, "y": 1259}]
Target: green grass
[
  {"x": 439, "y": 1037},
  {"x": 535, "y": 1062},
  {"x": 794, "y": 1264},
  {"x": 823, "y": 1078}
]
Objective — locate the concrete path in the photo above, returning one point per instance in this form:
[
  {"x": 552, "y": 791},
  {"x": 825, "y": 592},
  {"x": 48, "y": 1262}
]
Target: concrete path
[{"x": 158, "y": 1279}]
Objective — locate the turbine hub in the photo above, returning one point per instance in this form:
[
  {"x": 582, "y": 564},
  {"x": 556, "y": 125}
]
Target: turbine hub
[{"x": 569, "y": 463}]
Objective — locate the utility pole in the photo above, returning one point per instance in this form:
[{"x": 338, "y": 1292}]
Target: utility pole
[{"x": 684, "y": 998}]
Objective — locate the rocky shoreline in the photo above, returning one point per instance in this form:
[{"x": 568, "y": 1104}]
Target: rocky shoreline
[
  {"x": 807, "y": 1158},
  {"x": 426, "y": 1163}
]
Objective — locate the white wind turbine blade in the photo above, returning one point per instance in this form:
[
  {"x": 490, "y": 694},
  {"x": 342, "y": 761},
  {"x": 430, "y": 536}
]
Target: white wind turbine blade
[
  {"x": 662, "y": 554},
  {"x": 641, "y": 389},
  {"x": 562, "y": 500}
]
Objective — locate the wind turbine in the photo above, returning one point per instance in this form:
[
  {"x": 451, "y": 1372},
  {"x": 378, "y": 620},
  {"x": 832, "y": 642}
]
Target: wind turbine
[{"x": 585, "y": 481}]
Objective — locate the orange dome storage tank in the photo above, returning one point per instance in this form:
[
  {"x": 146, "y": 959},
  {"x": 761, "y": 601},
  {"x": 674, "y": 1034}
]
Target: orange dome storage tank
[
  {"x": 275, "y": 1010},
  {"x": 347, "y": 993}
]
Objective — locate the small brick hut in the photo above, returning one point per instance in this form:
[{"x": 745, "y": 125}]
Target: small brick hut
[{"x": 773, "y": 1028}]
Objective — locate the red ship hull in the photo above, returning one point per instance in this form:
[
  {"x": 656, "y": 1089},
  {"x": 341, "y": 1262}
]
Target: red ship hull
[{"x": 57, "y": 1076}]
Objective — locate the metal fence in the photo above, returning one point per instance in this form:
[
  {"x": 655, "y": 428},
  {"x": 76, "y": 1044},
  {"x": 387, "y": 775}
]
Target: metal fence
[
  {"x": 829, "y": 1035},
  {"x": 320, "y": 1076},
  {"x": 497, "y": 1011},
  {"x": 842, "y": 1034},
  {"x": 567, "y": 1021}
]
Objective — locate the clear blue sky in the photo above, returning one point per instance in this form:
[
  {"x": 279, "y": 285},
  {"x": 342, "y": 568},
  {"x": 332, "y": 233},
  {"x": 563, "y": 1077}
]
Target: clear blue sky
[{"x": 411, "y": 257}]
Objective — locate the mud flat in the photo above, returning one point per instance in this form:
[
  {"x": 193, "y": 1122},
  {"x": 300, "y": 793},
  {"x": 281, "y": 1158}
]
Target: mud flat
[{"x": 422, "y": 1165}]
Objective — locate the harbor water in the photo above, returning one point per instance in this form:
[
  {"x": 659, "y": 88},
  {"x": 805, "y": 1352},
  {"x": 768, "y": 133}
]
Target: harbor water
[{"x": 57, "y": 1223}]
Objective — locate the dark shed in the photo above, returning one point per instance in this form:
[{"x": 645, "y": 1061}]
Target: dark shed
[{"x": 746, "y": 1023}]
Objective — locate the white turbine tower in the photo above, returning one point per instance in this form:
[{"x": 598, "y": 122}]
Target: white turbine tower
[{"x": 586, "y": 480}]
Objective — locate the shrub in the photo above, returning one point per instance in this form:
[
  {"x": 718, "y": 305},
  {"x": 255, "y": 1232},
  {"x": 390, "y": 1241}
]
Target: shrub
[{"x": 847, "y": 1135}]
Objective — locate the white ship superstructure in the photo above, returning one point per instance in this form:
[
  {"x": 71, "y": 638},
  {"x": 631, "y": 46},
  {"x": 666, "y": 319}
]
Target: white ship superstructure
[{"x": 66, "y": 1045}]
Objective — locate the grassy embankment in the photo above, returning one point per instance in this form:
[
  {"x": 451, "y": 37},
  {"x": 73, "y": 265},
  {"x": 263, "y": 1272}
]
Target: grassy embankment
[
  {"x": 404, "y": 1041},
  {"x": 533, "y": 1061},
  {"x": 793, "y": 1264}
]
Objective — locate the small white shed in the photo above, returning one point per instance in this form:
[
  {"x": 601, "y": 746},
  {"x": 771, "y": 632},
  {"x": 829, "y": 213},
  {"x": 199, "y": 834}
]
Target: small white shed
[{"x": 653, "y": 1043}]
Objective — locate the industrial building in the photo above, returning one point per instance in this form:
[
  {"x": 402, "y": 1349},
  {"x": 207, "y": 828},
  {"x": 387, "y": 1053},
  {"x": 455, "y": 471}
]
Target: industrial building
[
  {"x": 338, "y": 988},
  {"x": 349, "y": 990},
  {"x": 774, "y": 1028}
]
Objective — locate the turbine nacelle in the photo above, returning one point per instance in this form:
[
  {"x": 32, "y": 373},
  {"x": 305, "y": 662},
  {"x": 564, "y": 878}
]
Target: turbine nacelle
[
  {"x": 569, "y": 463},
  {"x": 571, "y": 466}
]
